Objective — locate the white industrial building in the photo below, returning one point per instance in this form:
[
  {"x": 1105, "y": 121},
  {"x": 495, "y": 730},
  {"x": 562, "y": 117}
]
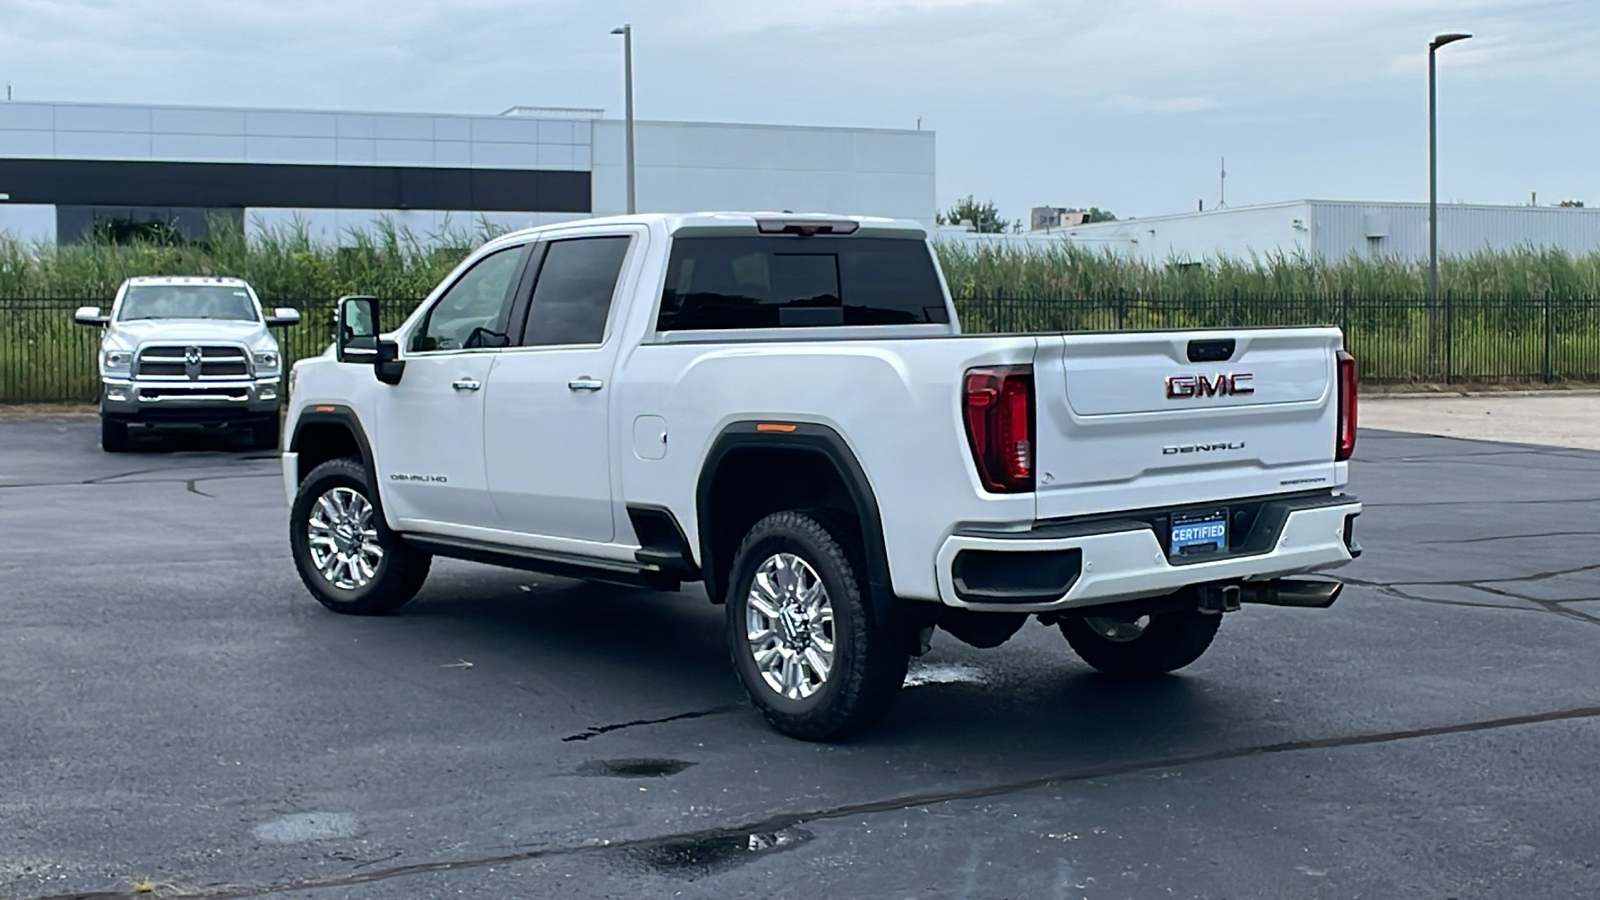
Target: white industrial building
[
  {"x": 1334, "y": 229},
  {"x": 67, "y": 169}
]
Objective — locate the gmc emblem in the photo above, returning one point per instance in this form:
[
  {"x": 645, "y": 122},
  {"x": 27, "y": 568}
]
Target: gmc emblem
[{"x": 1180, "y": 387}]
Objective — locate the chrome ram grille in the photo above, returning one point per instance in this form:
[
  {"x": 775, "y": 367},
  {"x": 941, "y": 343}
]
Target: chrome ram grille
[{"x": 191, "y": 362}]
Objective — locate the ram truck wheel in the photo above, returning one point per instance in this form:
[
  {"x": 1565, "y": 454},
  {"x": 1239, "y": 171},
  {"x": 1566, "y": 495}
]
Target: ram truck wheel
[
  {"x": 113, "y": 436},
  {"x": 1141, "y": 645},
  {"x": 347, "y": 556},
  {"x": 265, "y": 435},
  {"x": 801, "y": 634}
]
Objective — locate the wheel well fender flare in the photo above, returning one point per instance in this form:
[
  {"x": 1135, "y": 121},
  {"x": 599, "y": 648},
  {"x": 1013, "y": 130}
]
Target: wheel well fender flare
[
  {"x": 822, "y": 441},
  {"x": 344, "y": 418}
]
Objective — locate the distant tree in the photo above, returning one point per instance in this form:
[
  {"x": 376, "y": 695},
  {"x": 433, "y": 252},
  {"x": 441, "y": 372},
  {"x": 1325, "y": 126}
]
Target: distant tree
[
  {"x": 1096, "y": 214},
  {"x": 1571, "y": 204},
  {"x": 985, "y": 216}
]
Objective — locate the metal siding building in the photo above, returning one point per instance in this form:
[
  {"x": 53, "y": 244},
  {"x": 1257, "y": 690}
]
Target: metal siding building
[
  {"x": 66, "y": 168},
  {"x": 1335, "y": 229}
]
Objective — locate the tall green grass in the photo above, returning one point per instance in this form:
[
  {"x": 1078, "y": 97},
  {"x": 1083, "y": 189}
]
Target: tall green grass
[
  {"x": 1021, "y": 271},
  {"x": 283, "y": 262},
  {"x": 1524, "y": 315},
  {"x": 389, "y": 260}
]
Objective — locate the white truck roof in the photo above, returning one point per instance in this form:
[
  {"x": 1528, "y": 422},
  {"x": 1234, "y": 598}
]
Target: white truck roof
[
  {"x": 732, "y": 222},
  {"x": 186, "y": 279}
]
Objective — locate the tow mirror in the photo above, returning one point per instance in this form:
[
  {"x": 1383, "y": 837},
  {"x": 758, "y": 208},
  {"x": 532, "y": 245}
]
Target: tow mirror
[
  {"x": 358, "y": 339},
  {"x": 89, "y": 315},
  {"x": 284, "y": 315},
  {"x": 356, "y": 334}
]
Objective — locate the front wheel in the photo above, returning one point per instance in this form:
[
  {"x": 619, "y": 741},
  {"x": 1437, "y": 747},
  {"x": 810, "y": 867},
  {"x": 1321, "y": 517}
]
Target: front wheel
[
  {"x": 113, "y": 436},
  {"x": 1141, "y": 645},
  {"x": 347, "y": 556},
  {"x": 265, "y": 435},
  {"x": 801, "y": 633}
]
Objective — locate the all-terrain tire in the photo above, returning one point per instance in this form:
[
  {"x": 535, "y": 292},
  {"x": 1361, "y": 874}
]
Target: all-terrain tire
[
  {"x": 869, "y": 661},
  {"x": 397, "y": 575},
  {"x": 1170, "y": 641},
  {"x": 113, "y": 435}
]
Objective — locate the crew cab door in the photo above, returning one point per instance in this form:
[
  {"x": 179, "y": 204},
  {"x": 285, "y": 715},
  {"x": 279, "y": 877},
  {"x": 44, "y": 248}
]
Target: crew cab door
[
  {"x": 429, "y": 446},
  {"x": 548, "y": 428}
]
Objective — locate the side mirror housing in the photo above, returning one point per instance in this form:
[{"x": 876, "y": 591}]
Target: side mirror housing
[
  {"x": 90, "y": 315},
  {"x": 284, "y": 315},
  {"x": 389, "y": 367},
  {"x": 356, "y": 331},
  {"x": 357, "y": 339}
]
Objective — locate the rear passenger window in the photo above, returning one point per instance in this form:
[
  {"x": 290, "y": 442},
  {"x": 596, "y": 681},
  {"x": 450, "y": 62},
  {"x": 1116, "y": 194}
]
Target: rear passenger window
[
  {"x": 572, "y": 298},
  {"x": 796, "y": 282}
]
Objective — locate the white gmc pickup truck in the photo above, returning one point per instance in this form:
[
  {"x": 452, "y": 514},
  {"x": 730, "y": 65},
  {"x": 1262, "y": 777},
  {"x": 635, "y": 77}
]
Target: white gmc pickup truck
[{"x": 783, "y": 408}]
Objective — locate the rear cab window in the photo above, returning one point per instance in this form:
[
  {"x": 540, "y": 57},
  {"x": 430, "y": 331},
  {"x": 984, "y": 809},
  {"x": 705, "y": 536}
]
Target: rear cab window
[{"x": 737, "y": 282}]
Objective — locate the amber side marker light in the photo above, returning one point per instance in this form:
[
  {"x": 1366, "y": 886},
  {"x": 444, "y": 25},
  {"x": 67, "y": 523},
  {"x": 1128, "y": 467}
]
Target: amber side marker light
[
  {"x": 779, "y": 427},
  {"x": 322, "y": 409}
]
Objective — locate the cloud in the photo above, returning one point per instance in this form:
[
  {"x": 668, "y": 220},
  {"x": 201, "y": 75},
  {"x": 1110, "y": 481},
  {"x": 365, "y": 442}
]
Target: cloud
[
  {"x": 720, "y": 18},
  {"x": 1130, "y": 103},
  {"x": 1087, "y": 101}
]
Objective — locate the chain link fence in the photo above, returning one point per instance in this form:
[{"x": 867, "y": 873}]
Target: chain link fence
[{"x": 46, "y": 358}]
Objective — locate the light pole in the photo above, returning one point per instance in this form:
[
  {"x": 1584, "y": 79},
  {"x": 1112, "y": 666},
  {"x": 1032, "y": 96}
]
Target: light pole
[
  {"x": 1433, "y": 198},
  {"x": 627, "y": 77}
]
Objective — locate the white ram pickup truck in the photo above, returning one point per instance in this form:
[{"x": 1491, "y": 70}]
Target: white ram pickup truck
[
  {"x": 180, "y": 350},
  {"x": 783, "y": 408}
]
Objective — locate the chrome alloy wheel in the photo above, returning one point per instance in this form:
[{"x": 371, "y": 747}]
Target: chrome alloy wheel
[
  {"x": 789, "y": 623},
  {"x": 343, "y": 538},
  {"x": 1118, "y": 631}
]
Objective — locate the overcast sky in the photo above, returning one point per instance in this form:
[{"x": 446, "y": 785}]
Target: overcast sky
[{"x": 1122, "y": 104}]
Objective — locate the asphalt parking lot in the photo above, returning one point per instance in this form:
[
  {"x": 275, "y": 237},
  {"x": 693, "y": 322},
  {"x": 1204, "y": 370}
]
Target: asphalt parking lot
[{"x": 176, "y": 713}]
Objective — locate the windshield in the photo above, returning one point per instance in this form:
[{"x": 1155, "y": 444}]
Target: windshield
[{"x": 187, "y": 301}]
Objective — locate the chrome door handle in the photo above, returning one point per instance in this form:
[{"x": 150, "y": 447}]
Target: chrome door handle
[
  {"x": 466, "y": 384},
  {"x": 586, "y": 384}
]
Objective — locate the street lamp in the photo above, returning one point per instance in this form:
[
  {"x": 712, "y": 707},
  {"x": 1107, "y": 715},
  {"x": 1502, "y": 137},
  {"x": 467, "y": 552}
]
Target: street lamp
[
  {"x": 627, "y": 76},
  {"x": 1433, "y": 196}
]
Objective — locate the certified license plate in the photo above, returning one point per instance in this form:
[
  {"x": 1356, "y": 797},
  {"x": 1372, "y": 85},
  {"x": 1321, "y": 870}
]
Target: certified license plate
[{"x": 1196, "y": 534}]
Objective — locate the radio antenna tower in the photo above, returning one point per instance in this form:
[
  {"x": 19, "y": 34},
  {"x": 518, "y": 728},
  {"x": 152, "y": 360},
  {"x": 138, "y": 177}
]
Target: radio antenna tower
[{"x": 1222, "y": 198}]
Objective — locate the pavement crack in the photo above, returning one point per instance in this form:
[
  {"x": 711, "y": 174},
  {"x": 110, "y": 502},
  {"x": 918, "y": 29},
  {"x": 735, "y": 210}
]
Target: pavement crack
[
  {"x": 1414, "y": 503},
  {"x": 110, "y": 480},
  {"x": 1479, "y": 582},
  {"x": 1554, "y": 607},
  {"x": 597, "y": 730},
  {"x": 780, "y": 822},
  {"x": 105, "y": 478},
  {"x": 1509, "y": 537}
]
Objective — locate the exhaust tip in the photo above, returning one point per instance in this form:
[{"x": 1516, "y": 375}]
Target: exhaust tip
[{"x": 1302, "y": 593}]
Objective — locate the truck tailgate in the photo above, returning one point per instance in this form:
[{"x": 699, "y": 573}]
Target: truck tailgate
[{"x": 1127, "y": 421}]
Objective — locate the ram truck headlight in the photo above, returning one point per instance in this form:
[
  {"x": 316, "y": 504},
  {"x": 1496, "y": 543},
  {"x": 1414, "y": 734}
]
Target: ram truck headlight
[
  {"x": 266, "y": 362},
  {"x": 116, "y": 363}
]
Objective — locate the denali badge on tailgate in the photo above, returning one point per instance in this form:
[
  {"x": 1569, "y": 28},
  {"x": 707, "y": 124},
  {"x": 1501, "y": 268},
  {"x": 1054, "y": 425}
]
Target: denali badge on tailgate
[{"x": 1182, "y": 386}]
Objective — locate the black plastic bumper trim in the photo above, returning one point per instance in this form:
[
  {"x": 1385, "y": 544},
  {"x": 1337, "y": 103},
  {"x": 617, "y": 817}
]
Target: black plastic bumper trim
[
  {"x": 1254, "y": 525},
  {"x": 1005, "y": 576}
]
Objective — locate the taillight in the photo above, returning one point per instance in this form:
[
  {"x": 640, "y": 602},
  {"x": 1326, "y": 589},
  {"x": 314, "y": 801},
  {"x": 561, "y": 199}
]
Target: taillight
[
  {"x": 1347, "y": 408},
  {"x": 999, "y": 414}
]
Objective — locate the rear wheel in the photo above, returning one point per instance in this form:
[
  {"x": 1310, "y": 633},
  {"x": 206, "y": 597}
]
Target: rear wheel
[
  {"x": 347, "y": 557},
  {"x": 113, "y": 435},
  {"x": 1141, "y": 645},
  {"x": 801, "y": 633}
]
